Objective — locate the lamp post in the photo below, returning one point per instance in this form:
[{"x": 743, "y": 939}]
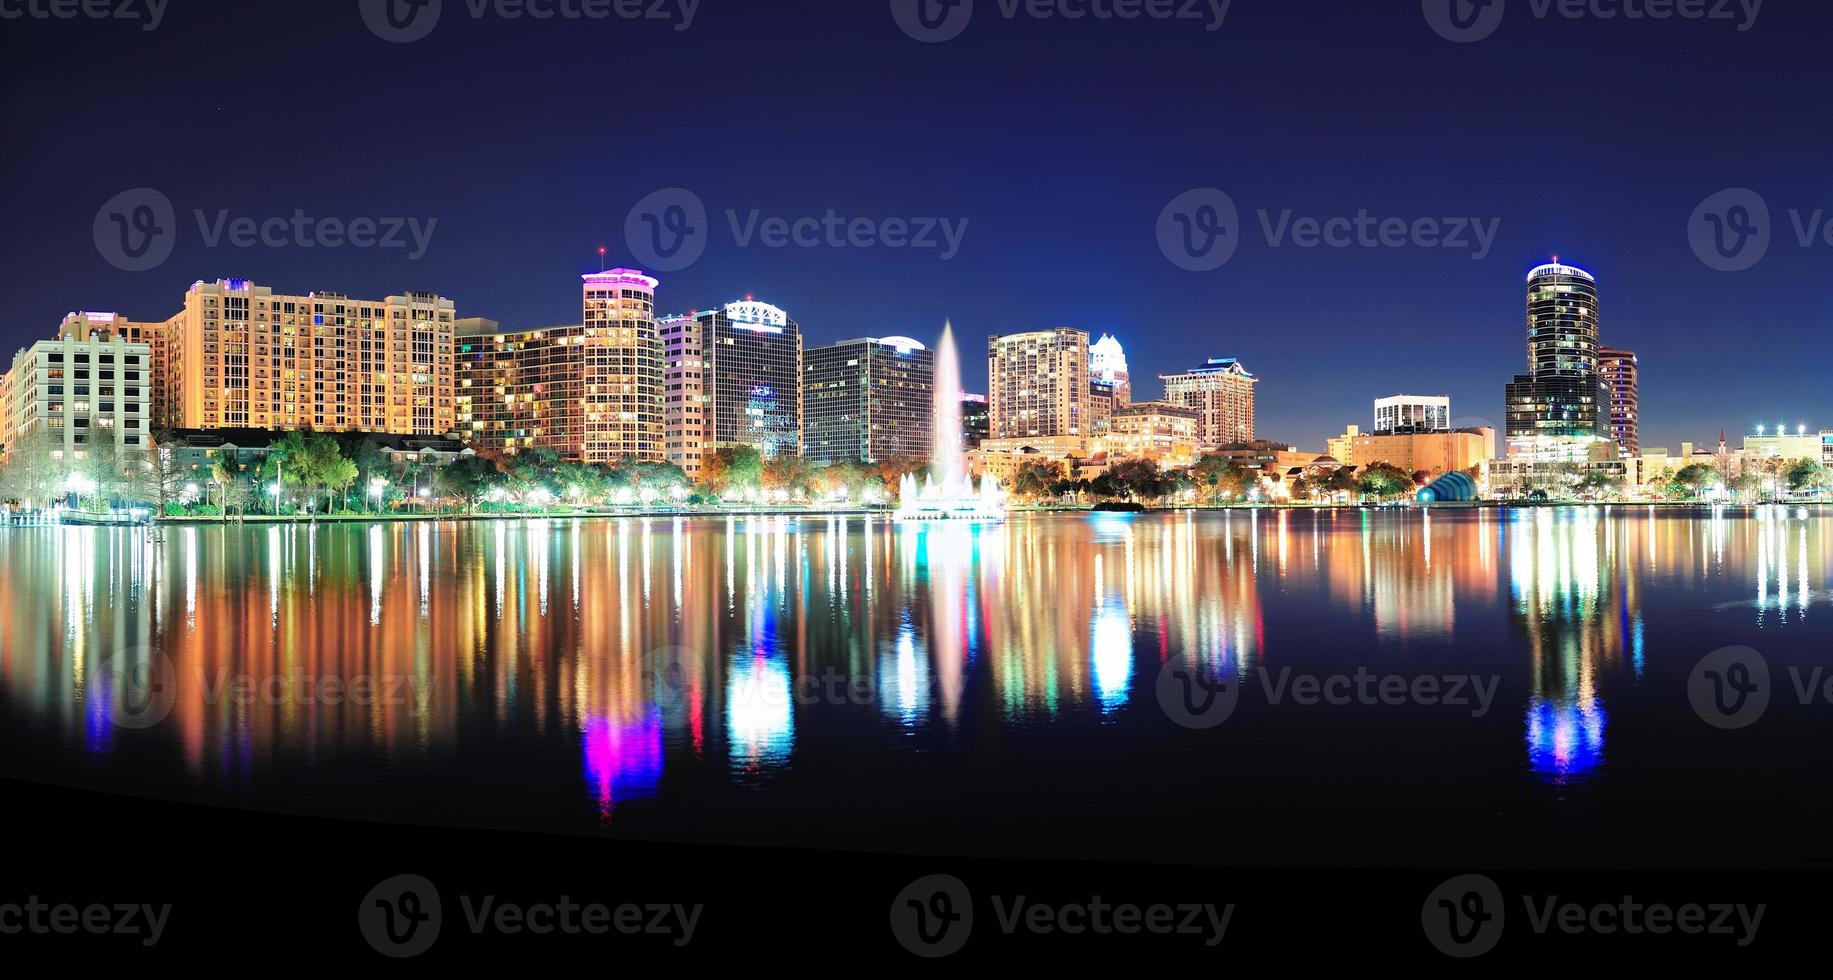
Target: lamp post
[
  {"x": 378, "y": 487},
  {"x": 273, "y": 490}
]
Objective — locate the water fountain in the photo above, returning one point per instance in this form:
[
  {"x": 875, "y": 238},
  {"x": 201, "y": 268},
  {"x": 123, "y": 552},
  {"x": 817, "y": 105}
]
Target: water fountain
[{"x": 948, "y": 493}]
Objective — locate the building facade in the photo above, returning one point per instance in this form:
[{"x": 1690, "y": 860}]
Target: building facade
[
  {"x": 621, "y": 373},
  {"x": 1221, "y": 391},
  {"x": 1154, "y": 430},
  {"x": 593, "y": 392},
  {"x": 1107, "y": 365},
  {"x": 734, "y": 379},
  {"x": 1449, "y": 451},
  {"x": 1038, "y": 384},
  {"x": 88, "y": 391},
  {"x": 976, "y": 423},
  {"x": 1413, "y": 413},
  {"x": 868, "y": 400},
  {"x": 1623, "y": 374},
  {"x": 1560, "y": 411}
]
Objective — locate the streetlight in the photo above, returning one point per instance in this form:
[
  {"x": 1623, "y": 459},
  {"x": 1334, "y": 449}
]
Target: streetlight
[
  {"x": 81, "y": 486},
  {"x": 378, "y": 487},
  {"x": 273, "y": 490}
]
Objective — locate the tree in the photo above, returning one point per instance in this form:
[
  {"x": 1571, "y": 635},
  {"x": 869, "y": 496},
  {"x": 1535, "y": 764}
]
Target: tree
[
  {"x": 1748, "y": 485},
  {"x": 1808, "y": 476},
  {"x": 33, "y": 476},
  {"x": 1224, "y": 477},
  {"x": 1384, "y": 481},
  {"x": 1034, "y": 478},
  {"x": 469, "y": 479},
  {"x": 790, "y": 475},
  {"x": 733, "y": 470},
  {"x": 1599, "y": 483},
  {"x": 1695, "y": 478},
  {"x": 1136, "y": 479}
]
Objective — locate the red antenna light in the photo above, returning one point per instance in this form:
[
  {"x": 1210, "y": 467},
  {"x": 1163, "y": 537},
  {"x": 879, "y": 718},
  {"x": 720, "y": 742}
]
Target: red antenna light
[{"x": 601, "y": 258}]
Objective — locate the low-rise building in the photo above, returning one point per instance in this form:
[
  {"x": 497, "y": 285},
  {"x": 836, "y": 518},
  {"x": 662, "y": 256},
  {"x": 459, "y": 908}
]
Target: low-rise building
[
  {"x": 1437, "y": 453},
  {"x": 88, "y": 390}
]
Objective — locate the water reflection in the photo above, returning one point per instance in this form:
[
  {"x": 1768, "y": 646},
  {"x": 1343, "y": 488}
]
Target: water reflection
[{"x": 645, "y": 650}]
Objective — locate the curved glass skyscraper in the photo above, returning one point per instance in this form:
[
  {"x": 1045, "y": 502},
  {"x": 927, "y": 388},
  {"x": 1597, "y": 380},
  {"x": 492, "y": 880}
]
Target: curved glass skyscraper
[{"x": 1560, "y": 410}]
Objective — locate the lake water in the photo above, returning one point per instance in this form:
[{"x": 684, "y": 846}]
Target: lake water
[{"x": 1503, "y": 685}]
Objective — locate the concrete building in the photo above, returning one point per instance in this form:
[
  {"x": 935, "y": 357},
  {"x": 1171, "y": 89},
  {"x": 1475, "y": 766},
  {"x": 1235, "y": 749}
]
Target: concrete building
[
  {"x": 1623, "y": 375},
  {"x": 1447, "y": 451},
  {"x": 593, "y": 392},
  {"x": 240, "y": 355},
  {"x": 1221, "y": 391},
  {"x": 89, "y": 390},
  {"x": 1413, "y": 413},
  {"x": 734, "y": 379},
  {"x": 1782, "y": 444},
  {"x": 868, "y": 400},
  {"x": 1038, "y": 384},
  {"x": 1154, "y": 430}
]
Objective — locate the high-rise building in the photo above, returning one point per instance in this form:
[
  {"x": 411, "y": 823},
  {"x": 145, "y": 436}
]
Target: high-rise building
[
  {"x": 592, "y": 392},
  {"x": 1560, "y": 411},
  {"x": 734, "y": 379},
  {"x": 1221, "y": 391},
  {"x": 241, "y": 356},
  {"x": 1038, "y": 384},
  {"x": 868, "y": 400},
  {"x": 1413, "y": 413},
  {"x": 685, "y": 405},
  {"x": 1107, "y": 365},
  {"x": 622, "y": 373},
  {"x": 1623, "y": 374},
  {"x": 88, "y": 390},
  {"x": 975, "y": 422}
]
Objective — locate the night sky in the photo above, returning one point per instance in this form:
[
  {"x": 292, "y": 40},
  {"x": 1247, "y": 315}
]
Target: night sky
[{"x": 1059, "y": 141}]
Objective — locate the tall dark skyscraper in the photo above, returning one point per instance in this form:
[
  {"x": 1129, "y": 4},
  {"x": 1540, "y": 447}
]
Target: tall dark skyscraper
[
  {"x": 1560, "y": 410},
  {"x": 868, "y": 400}
]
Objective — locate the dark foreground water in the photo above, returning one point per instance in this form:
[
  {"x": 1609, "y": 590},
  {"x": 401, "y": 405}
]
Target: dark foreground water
[{"x": 1544, "y": 686}]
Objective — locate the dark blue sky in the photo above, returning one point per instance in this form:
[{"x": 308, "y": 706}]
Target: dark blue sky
[{"x": 1059, "y": 142}]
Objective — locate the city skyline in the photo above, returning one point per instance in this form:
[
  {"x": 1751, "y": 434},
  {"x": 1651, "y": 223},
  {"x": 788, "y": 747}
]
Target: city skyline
[{"x": 1034, "y": 235}]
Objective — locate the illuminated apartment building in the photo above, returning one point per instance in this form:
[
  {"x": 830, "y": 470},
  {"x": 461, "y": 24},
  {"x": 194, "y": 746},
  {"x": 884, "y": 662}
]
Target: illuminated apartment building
[
  {"x": 241, "y": 356},
  {"x": 591, "y": 392},
  {"x": 89, "y": 389},
  {"x": 1560, "y": 411},
  {"x": 1622, "y": 373},
  {"x": 1038, "y": 385},
  {"x": 1222, "y": 393}
]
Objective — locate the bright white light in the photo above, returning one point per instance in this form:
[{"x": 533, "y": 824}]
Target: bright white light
[
  {"x": 377, "y": 487},
  {"x": 274, "y": 488},
  {"x": 80, "y": 484}
]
